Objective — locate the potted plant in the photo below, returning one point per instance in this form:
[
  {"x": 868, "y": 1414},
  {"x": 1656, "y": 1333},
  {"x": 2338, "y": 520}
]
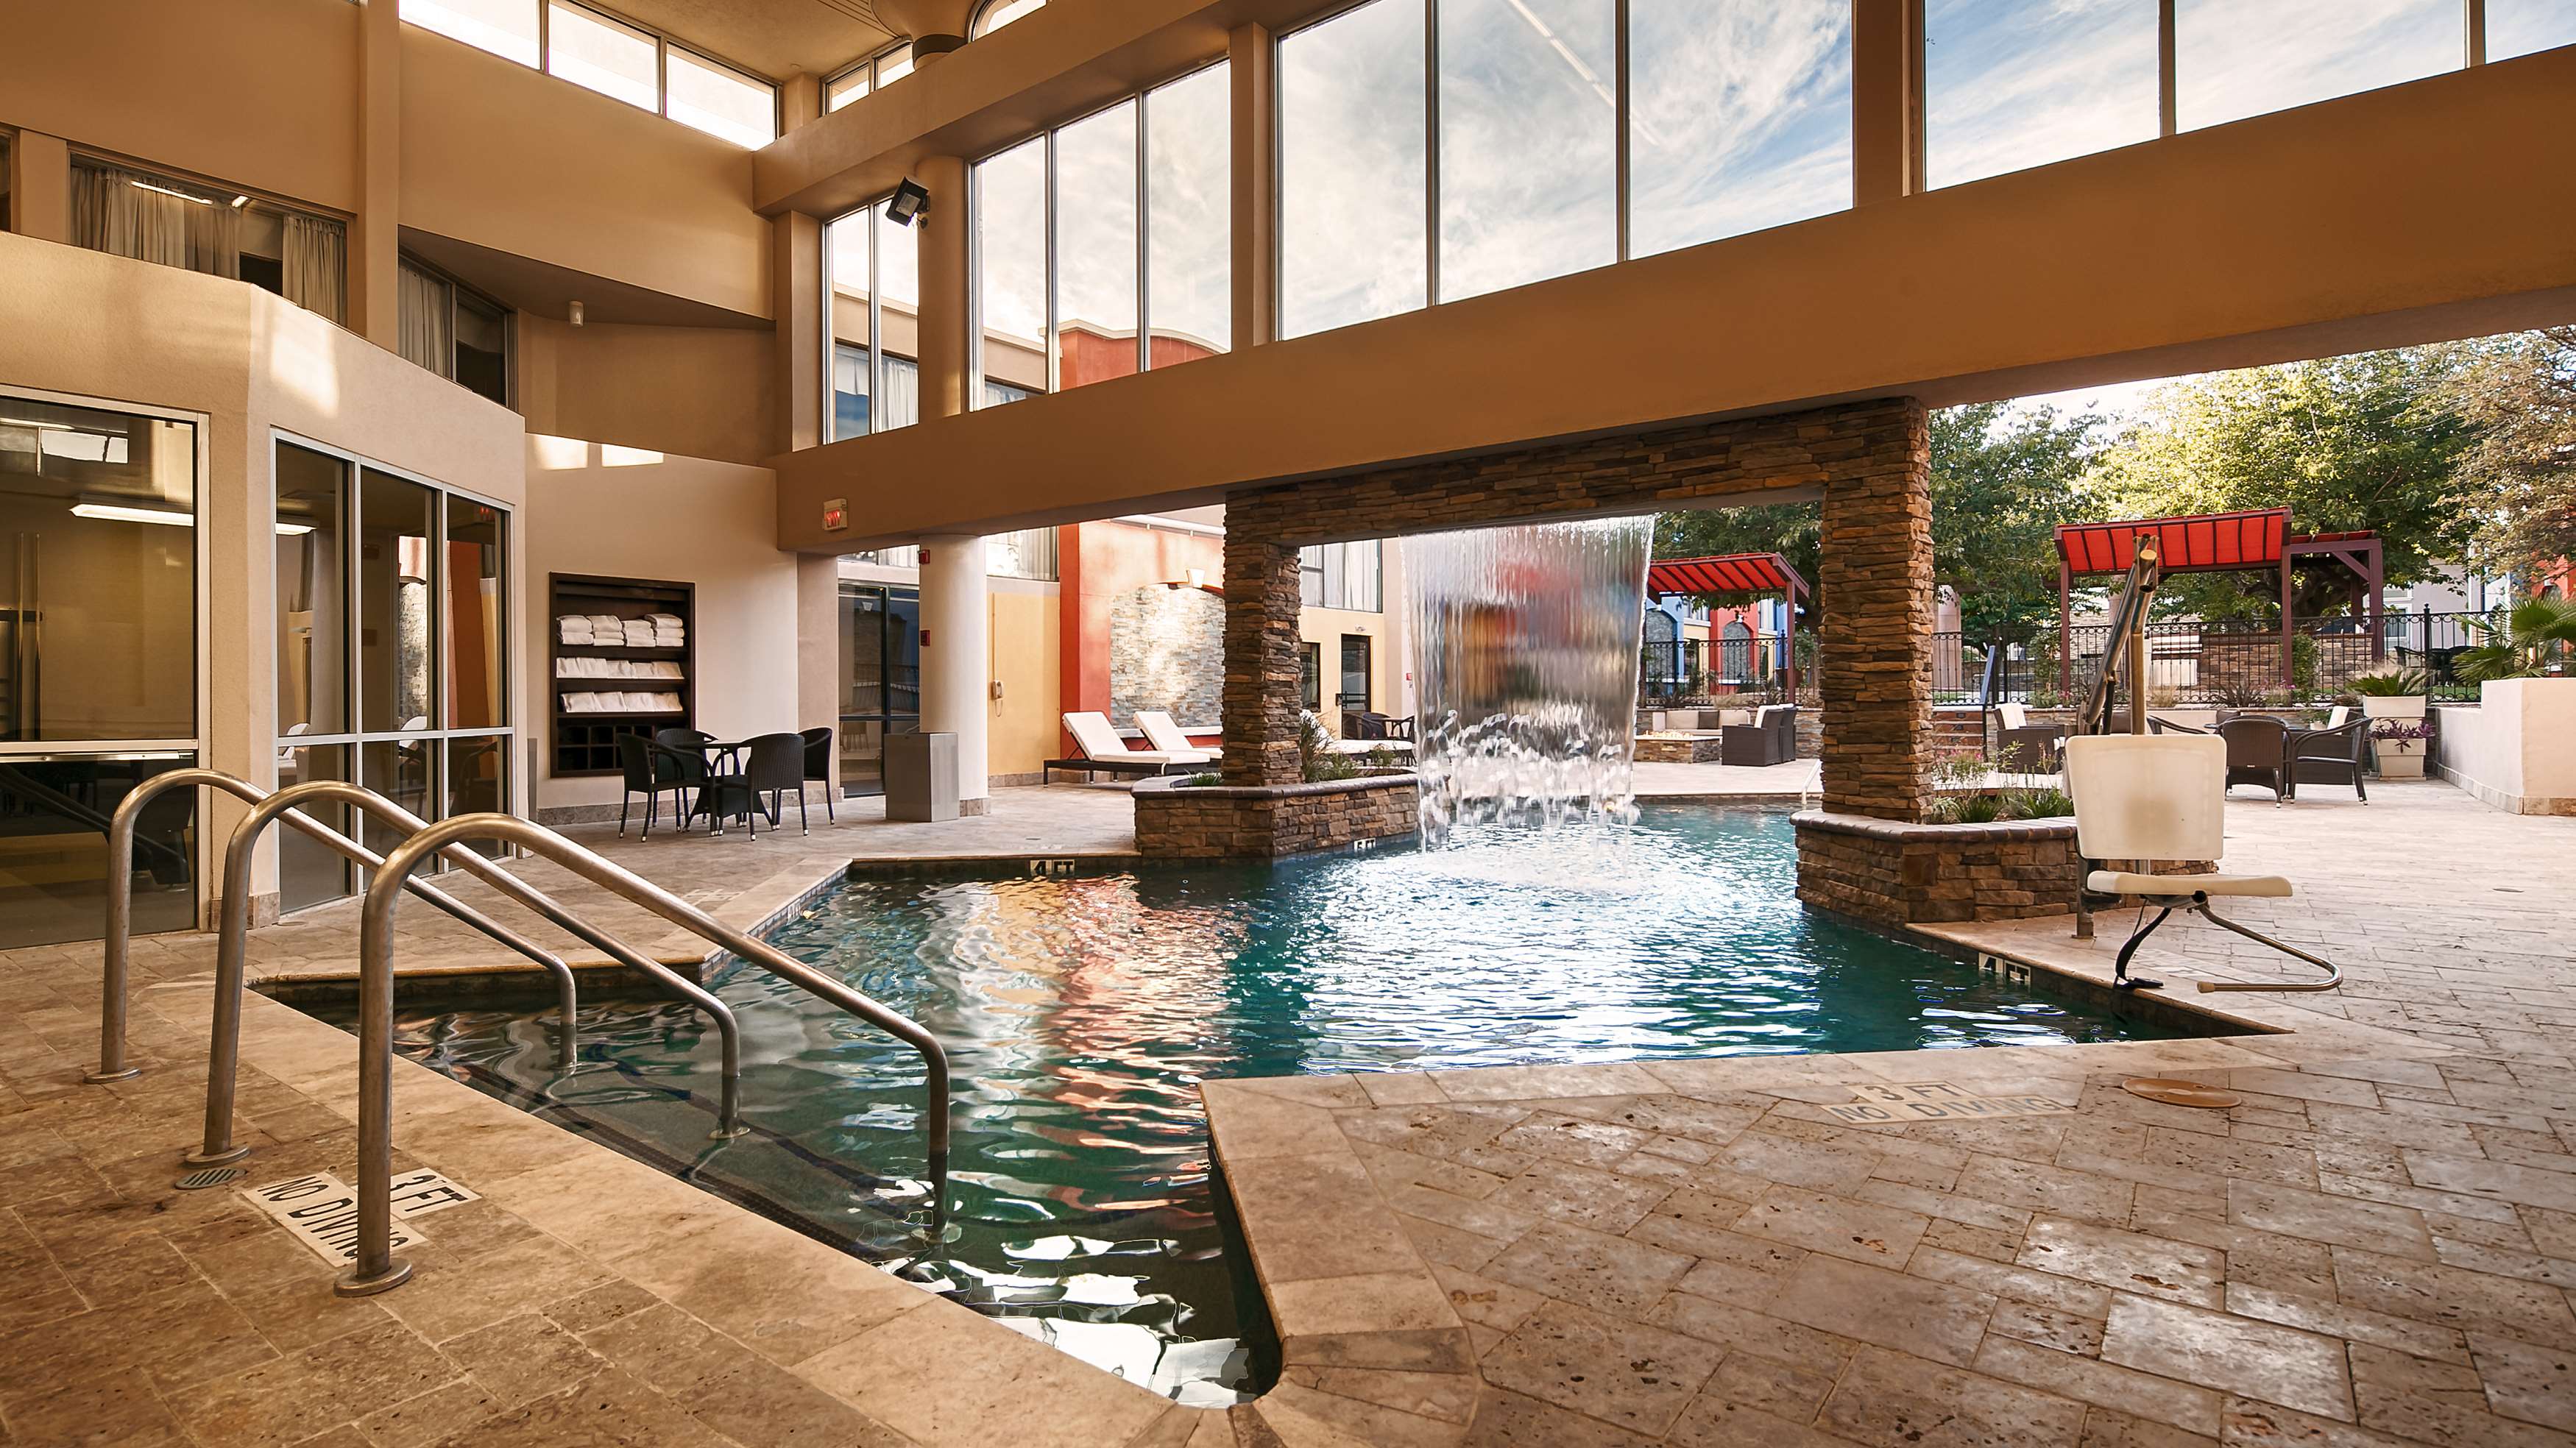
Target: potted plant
[{"x": 2393, "y": 700}]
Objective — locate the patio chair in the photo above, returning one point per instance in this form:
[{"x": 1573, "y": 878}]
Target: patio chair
[
  {"x": 772, "y": 764},
  {"x": 1103, "y": 752},
  {"x": 2157, "y": 724},
  {"x": 1367, "y": 725},
  {"x": 2258, "y": 753},
  {"x": 2335, "y": 754},
  {"x": 1167, "y": 738},
  {"x": 647, "y": 769},
  {"x": 1772, "y": 738},
  {"x": 2022, "y": 747},
  {"x": 2160, "y": 799},
  {"x": 818, "y": 764}
]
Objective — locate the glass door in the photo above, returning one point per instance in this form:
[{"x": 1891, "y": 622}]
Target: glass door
[
  {"x": 99, "y": 653},
  {"x": 880, "y": 679}
]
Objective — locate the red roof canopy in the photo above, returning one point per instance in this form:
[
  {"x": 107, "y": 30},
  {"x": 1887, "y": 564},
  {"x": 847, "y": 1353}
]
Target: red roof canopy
[
  {"x": 1732, "y": 573},
  {"x": 2203, "y": 543}
]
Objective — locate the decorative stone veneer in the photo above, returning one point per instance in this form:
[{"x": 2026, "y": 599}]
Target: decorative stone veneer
[
  {"x": 1174, "y": 822},
  {"x": 1677, "y": 749},
  {"x": 1897, "y": 873},
  {"x": 1167, "y": 652}
]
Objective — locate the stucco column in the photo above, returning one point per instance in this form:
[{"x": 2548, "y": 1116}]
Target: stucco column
[
  {"x": 40, "y": 187},
  {"x": 1250, "y": 61},
  {"x": 375, "y": 232},
  {"x": 1261, "y": 702},
  {"x": 1887, "y": 99},
  {"x": 1875, "y": 573},
  {"x": 955, "y": 659},
  {"x": 947, "y": 354}
]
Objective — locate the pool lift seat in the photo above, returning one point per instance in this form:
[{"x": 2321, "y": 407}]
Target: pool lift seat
[{"x": 2148, "y": 798}]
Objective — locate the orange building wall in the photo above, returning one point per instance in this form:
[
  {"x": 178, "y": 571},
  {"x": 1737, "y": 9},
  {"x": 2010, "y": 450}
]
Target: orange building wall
[{"x": 1095, "y": 563}]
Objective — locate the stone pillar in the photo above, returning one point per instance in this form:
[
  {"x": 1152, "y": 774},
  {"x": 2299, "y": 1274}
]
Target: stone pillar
[
  {"x": 1249, "y": 61},
  {"x": 1261, "y": 700},
  {"x": 40, "y": 187},
  {"x": 1875, "y": 572},
  {"x": 947, "y": 283},
  {"x": 955, "y": 654},
  {"x": 375, "y": 232}
]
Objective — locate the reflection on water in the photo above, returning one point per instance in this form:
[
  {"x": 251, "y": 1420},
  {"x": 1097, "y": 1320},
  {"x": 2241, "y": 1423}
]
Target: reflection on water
[{"x": 1080, "y": 1014}]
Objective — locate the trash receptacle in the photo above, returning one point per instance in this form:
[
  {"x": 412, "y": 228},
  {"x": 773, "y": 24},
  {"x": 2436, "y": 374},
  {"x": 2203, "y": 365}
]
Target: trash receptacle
[{"x": 921, "y": 776}]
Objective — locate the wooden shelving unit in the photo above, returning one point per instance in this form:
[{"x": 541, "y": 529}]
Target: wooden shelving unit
[{"x": 585, "y": 742}]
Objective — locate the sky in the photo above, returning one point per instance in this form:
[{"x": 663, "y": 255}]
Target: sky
[{"x": 1740, "y": 120}]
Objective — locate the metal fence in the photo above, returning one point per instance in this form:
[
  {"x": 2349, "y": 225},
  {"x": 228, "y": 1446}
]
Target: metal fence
[
  {"x": 2219, "y": 663},
  {"x": 1685, "y": 671}
]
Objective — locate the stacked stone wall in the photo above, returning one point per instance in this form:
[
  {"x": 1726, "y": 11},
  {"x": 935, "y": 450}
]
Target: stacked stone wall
[
  {"x": 1898, "y": 874},
  {"x": 1178, "y": 823}
]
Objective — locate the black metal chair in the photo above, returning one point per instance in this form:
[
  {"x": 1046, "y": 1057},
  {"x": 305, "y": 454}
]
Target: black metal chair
[
  {"x": 818, "y": 766},
  {"x": 2258, "y": 753},
  {"x": 648, "y": 769},
  {"x": 771, "y": 765},
  {"x": 2336, "y": 754}
]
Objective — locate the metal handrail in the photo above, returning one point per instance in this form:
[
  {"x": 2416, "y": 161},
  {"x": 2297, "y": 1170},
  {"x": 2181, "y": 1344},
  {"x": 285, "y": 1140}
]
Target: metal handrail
[
  {"x": 375, "y": 1269},
  {"x": 223, "y": 1057},
  {"x": 112, "y": 1065}
]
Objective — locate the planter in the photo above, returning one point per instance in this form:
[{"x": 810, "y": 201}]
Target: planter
[
  {"x": 2393, "y": 706},
  {"x": 2399, "y": 758}
]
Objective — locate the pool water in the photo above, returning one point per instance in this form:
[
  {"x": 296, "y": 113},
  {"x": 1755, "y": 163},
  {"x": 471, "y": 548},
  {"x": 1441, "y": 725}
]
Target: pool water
[{"x": 1080, "y": 1012}]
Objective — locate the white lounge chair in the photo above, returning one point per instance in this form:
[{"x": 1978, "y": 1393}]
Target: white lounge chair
[
  {"x": 2142, "y": 799},
  {"x": 1167, "y": 738},
  {"x": 1103, "y": 752}
]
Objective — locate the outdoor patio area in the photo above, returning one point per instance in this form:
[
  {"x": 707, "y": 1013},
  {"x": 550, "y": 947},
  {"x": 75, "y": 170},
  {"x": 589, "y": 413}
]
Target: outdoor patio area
[{"x": 2372, "y": 1248}]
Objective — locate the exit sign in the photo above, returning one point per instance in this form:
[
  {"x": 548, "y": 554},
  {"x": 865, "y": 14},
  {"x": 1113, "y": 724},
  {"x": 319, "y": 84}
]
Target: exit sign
[{"x": 836, "y": 515}]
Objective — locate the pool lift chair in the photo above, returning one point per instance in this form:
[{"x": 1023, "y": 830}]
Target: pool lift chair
[{"x": 2145, "y": 798}]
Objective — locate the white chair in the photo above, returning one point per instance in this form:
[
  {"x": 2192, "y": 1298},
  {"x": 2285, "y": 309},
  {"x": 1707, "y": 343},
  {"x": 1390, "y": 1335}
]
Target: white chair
[
  {"x": 2141, "y": 799},
  {"x": 1104, "y": 752},
  {"x": 1167, "y": 738}
]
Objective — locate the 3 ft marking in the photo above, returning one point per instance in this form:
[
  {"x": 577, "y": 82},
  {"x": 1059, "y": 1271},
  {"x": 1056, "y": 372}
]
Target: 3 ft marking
[{"x": 1878, "y": 1104}]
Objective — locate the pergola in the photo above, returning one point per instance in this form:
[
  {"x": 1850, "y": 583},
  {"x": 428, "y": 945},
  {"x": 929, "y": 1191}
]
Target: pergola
[
  {"x": 1737, "y": 573},
  {"x": 2214, "y": 543}
]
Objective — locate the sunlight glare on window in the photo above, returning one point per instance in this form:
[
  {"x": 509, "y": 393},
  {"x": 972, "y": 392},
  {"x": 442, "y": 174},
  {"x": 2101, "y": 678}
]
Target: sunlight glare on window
[
  {"x": 722, "y": 101},
  {"x": 507, "y": 28},
  {"x": 597, "y": 53}
]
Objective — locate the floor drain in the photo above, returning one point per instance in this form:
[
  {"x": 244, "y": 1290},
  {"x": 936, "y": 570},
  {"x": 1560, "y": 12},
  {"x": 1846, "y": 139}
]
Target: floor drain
[{"x": 213, "y": 1176}]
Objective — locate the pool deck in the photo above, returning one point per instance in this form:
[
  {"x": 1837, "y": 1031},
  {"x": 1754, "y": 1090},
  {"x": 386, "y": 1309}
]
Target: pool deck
[{"x": 2376, "y": 1247}]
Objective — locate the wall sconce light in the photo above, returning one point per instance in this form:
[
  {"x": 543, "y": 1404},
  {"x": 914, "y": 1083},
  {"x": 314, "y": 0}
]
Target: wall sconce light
[
  {"x": 910, "y": 199},
  {"x": 575, "y": 314}
]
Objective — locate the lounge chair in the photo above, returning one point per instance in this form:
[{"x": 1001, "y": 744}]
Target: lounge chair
[
  {"x": 1167, "y": 738},
  {"x": 2022, "y": 747},
  {"x": 2141, "y": 800},
  {"x": 1772, "y": 738},
  {"x": 1103, "y": 752}
]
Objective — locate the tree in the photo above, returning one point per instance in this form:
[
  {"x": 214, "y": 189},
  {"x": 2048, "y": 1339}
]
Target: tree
[
  {"x": 2519, "y": 479},
  {"x": 2002, "y": 479},
  {"x": 2371, "y": 441}
]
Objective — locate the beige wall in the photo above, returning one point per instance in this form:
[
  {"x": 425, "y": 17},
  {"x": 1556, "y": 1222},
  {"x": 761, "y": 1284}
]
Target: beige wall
[
  {"x": 496, "y": 154},
  {"x": 98, "y": 326},
  {"x": 670, "y": 519},
  {"x": 2398, "y": 215},
  {"x": 698, "y": 391},
  {"x": 260, "y": 94}
]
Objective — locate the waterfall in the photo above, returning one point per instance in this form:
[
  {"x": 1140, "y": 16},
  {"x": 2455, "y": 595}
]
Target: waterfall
[{"x": 1526, "y": 650}]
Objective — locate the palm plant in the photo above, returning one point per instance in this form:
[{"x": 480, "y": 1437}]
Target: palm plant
[
  {"x": 2396, "y": 683},
  {"x": 2533, "y": 634}
]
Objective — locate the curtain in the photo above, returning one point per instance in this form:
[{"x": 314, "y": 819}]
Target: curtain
[
  {"x": 427, "y": 321},
  {"x": 126, "y": 214},
  {"x": 316, "y": 265},
  {"x": 901, "y": 404}
]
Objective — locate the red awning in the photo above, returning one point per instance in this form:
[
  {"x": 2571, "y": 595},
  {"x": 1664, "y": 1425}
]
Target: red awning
[
  {"x": 2205, "y": 543},
  {"x": 1733, "y": 573}
]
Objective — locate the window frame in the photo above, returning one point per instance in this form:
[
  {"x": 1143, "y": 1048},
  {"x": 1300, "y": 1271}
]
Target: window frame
[
  {"x": 663, "y": 44},
  {"x": 353, "y": 736}
]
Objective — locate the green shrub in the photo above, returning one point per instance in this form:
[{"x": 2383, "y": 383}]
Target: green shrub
[{"x": 2397, "y": 683}]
